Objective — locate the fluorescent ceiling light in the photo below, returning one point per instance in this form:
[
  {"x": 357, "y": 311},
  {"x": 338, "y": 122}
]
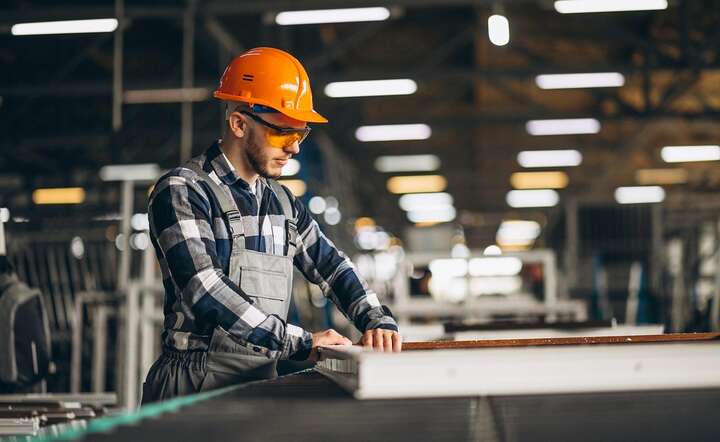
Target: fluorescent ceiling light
[
  {"x": 495, "y": 266},
  {"x": 332, "y": 216},
  {"x": 569, "y": 126},
  {"x": 181, "y": 95},
  {"x": 515, "y": 244},
  {"x": 582, "y": 6},
  {"x": 639, "y": 194},
  {"x": 661, "y": 176},
  {"x": 393, "y": 132},
  {"x": 436, "y": 215},
  {"x": 549, "y": 158},
  {"x": 492, "y": 250},
  {"x": 407, "y": 163},
  {"x": 685, "y": 154},
  {"x": 369, "y": 238},
  {"x": 539, "y": 180},
  {"x": 65, "y": 27},
  {"x": 62, "y": 195},
  {"x": 417, "y": 184},
  {"x": 424, "y": 201},
  {"x": 139, "y": 241},
  {"x": 140, "y": 221},
  {"x": 370, "y": 88},
  {"x": 498, "y": 30},
  {"x": 130, "y": 172},
  {"x": 365, "y": 222},
  {"x": 331, "y": 201},
  {"x": 517, "y": 231},
  {"x": 460, "y": 251},
  {"x": 344, "y": 15},
  {"x": 448, "y": 268},
  {"x": 291, "y": 168},
  {"x": 495, "y": 285},
  {"x": 317, "y": 205},
  {"x": 574, "y": 81},
  {"x": 297, "y": 187},
  {"x": 532, "y": 198}
]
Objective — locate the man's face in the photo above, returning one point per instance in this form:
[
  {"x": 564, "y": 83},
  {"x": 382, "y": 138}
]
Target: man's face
[{"x": 267, "y": 160}]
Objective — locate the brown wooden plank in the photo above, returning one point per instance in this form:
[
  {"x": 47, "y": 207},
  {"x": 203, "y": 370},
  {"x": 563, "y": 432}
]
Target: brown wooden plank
[{"x": 637, "y": 339}]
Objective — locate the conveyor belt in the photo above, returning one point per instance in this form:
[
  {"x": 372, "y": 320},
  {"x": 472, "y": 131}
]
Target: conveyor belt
[{"x": 308, "y": 407}]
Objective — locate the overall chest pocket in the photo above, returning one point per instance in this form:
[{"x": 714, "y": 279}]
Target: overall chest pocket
[{"x": 267, "y": 279}]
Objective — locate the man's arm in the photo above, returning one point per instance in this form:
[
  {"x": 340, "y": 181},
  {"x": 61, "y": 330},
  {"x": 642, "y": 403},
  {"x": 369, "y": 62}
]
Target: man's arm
[
  {"x": 323, "y": 264},
  {"x": 180, "y": 215}
]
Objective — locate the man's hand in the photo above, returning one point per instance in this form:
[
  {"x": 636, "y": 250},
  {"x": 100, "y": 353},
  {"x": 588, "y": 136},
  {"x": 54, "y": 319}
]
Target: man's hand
[
  {"x": 381, "y": 339},
  {"x": 327, "y": 337}
]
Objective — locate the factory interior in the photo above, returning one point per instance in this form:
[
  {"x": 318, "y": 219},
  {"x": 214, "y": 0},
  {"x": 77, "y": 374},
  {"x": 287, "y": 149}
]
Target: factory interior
[{"x": 507, "y": 229}]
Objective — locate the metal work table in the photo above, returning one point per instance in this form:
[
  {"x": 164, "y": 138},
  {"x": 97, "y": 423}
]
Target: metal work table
[{"x": 309, "y": 407}]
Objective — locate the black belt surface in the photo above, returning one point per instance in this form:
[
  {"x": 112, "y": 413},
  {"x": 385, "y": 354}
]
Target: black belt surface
[{"x": 309, "y": 407}]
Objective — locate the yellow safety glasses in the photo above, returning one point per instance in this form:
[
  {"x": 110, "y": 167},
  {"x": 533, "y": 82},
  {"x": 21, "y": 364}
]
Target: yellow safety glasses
[{"x": 280, "y": 137}]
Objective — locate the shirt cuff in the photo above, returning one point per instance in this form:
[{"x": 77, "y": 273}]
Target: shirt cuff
[
  {"x": 386, "y": 326},
  {"x": 297, "y": 348},
  {"x": 380, "y": 317}
]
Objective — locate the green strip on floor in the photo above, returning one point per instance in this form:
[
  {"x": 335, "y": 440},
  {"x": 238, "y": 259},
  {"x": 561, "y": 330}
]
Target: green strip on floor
[{"x": 105, "y": 424}]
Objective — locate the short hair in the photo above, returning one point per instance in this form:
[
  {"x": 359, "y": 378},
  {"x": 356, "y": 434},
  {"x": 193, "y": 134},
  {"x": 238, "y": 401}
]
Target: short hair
[{"x": 235, "y": 106}]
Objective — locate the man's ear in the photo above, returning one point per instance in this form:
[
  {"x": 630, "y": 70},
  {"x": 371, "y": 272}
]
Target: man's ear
[{"x": 237, "y": 124}]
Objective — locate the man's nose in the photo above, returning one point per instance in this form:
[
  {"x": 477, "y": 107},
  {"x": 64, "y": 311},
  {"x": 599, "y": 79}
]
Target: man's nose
[{"x": 293, "y": 148}]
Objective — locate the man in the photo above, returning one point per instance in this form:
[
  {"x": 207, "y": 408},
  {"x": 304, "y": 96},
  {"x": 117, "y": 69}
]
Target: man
[{"x": 227, "y": 235}]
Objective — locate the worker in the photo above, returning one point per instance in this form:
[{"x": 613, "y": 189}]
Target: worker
[{"x": 227, "y": 234}]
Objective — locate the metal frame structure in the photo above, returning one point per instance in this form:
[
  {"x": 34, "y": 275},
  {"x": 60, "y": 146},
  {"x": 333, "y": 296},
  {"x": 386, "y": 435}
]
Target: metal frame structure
[
  {"x": 685, "y": 59},
  {"x": 405, "y": 306}
]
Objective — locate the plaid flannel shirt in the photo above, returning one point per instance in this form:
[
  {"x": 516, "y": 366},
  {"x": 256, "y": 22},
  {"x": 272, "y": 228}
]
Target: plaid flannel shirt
[{"x": 192, "y": 243}]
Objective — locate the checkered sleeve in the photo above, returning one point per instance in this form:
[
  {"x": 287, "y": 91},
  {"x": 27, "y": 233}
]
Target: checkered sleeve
[
  {"x": 180, "y": 217},
  {"x": 323, "y": 264}
]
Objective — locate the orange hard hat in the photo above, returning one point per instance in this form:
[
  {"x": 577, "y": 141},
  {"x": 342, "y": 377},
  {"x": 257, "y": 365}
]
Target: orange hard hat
[{"x": 273, "y": 78}]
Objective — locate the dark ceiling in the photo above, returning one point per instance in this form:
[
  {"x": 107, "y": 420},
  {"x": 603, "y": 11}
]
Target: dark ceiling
[{"x": 56, "y": 109}]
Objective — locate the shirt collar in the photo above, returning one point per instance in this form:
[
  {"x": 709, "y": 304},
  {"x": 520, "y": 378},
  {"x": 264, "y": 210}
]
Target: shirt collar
[{"x": 225, "y": 170}]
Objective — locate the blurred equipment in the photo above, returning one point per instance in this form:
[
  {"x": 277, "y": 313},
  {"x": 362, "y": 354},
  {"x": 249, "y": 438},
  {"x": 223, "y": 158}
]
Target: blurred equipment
[
  {"x": 517, "y": 285},
  {"x": 25, "y": 350},
  {"x": 47, "y": 415}
]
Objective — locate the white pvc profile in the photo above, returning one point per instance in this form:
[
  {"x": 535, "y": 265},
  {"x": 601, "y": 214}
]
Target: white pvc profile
[{"x": 522, "y": 370}]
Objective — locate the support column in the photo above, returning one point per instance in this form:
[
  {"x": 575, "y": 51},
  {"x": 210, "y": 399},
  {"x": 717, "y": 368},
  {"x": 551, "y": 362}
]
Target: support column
[
  {"x": 118, "y": 66},
  {"x": 188, "y": 61}
]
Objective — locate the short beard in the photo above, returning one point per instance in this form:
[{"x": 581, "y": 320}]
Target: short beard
[{"x": 253, "y": 153}]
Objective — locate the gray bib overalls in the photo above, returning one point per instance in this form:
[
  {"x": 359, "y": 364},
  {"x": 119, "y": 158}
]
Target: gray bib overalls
[{"x": 265, "y": 278}]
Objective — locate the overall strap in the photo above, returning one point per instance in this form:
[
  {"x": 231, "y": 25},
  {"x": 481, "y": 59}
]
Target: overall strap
[
  {"x": 290, "y": 219},
  {"x": 227, "y": 205}
]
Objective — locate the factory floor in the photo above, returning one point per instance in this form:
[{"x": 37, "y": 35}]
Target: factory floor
[{"x": 308, "y": 407}]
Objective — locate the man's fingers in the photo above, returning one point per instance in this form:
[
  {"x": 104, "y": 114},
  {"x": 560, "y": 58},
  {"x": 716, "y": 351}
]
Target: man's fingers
[
  {"x": 330, "y": 337},
  {"x": 339, "y": 339},
  {"x": 396, "y": 342},
  {"x": 378, "y": 340},
  {"x": 388, "y": 341},
  {"x": 382, "y": 340},
  {"x": 368, "y": 340}
]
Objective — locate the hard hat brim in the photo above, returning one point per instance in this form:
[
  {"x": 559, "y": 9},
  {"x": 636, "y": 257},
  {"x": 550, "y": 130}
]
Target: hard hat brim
[{"x": 307, "y": 116}]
